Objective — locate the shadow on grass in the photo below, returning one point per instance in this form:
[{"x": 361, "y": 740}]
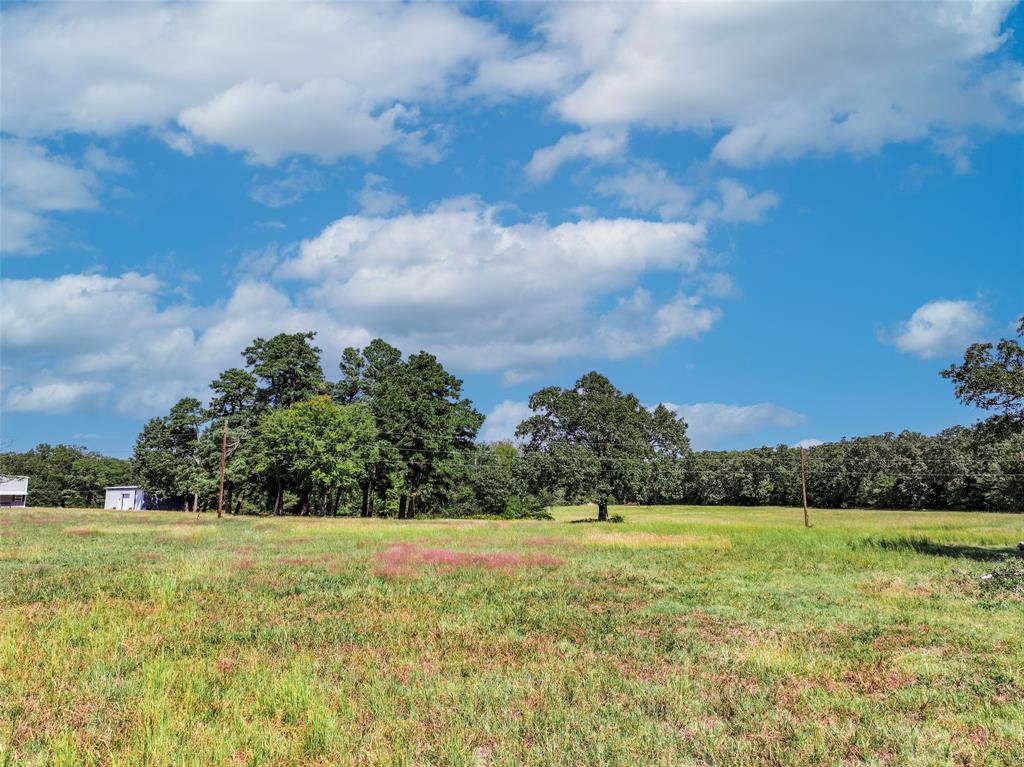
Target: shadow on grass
[{"x": 955, "y": 550}]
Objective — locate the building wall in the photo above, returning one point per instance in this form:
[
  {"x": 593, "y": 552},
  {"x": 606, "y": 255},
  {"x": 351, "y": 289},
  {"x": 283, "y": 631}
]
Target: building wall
[
  {"x": 14, "y": 486},
  {"x": 123, "y": 498}
]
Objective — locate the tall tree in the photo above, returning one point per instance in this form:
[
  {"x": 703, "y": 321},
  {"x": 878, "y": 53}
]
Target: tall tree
[
  {"x": 288, "y": 366},
  {"x": 319, "y": 449},
  {"x": 993, "y": 379},
  {"x": 368, "y": 375},
  {"x": 422, "y": 418},
  {"x": 234, "y": 396},
  {"x": 602, "y": 443},
  {"x": 168, "y": 456}
]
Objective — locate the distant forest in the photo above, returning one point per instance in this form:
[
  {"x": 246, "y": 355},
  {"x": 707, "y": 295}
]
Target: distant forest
[{"x": 393, "y": 436}]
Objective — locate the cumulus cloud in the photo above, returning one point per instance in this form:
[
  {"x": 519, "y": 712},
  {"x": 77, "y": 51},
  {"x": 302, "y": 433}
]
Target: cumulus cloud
[
  {"x": 785, "y": 80},
  {"x": 35, "y": 183},
  {"x": 938, "y": 327},
  {"x": 483, "y": 295},
  {"x": 237, "y": 74},
  {"x": 491, "y": 296},
  {"x": 66, "y": 342},
  {"x": 56, "y": 396},
  {"x": 710, "y": 422},
  {"x": 590, "y": 145},
  {"x": 646, "y": 188},
  {"x": 809, "y": 442},
  {"x": 502, "y": 421},
  {"x": 780, "y": 80},
  {"x": 288, "y": 189},
  {"x": 739, "y": 204},
  {"x": 376, "y": 197}
]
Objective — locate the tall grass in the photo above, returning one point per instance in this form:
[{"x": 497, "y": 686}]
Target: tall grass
[{"x": 686, "y": 636}]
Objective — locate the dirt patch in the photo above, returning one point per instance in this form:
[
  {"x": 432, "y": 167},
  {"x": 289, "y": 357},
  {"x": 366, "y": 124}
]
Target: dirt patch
[{"x": 403, "y": 559}]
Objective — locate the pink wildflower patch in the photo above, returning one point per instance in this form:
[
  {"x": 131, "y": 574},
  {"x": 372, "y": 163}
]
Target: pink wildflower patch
[{"x": 405, "y": 559}]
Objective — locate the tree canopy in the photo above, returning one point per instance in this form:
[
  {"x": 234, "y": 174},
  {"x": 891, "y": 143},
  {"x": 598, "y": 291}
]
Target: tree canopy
[
  {"x": 993, "y": 379},
  {"x": 601, "y": 442}
]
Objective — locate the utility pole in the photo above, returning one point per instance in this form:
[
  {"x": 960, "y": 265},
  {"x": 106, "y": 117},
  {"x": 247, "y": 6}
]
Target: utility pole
[
  {"x": 803, "y": 483},
  {"x": 223, "y": 462}
]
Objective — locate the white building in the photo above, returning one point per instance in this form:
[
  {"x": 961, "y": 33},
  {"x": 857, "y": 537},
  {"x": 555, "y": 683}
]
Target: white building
[
  {"x": 13, "y": 491},
  {"x": 125, "y": 497}
]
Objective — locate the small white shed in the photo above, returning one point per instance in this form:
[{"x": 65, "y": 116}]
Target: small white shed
[
  {"x": 125, "y": 497},
  {"x": 13, "y": 491}
]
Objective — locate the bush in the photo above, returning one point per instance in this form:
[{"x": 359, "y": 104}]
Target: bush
[{"x": 530, "y": 507}]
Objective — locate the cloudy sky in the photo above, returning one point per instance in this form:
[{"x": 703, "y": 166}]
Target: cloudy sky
[{"x": 782, "y": 219}]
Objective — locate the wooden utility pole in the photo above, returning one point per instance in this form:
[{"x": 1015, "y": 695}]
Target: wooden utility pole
[
  {"x": 223, "y": 463},
  {"x": 803, "y": 483}
]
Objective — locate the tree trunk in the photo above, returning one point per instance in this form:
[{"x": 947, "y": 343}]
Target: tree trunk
[
  {"x": 277, "y": 500},
  {"x": 364, "y": 510},
  {"x": 412, "y": 506},
  {"x": 602, "y": 511},
  {"x": 402, "y": 501},
  {"x": 195, "y": 502},
  {"x": 303, "y": 500}
]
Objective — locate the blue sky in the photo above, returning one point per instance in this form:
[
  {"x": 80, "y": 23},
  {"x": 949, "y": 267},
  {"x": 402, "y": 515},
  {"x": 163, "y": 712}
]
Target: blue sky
[{"x": 783, "y": 220}]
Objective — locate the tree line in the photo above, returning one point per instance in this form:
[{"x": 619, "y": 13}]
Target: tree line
[
  {"x": 393, "y": 435},
  {"x": 66, "y": 475}
]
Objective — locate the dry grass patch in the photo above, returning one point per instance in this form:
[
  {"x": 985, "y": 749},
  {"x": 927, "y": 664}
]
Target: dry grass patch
[{"x": 659, "y": 540}]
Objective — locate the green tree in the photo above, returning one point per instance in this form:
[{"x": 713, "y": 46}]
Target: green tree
[
  {"x": 993, "y": 379},
  {"x": 288, "y": 366},
  {"x": 602, "y": 443},
  {"x": 168, "y": 455},
  {"x": 234, "y": 397},
  {"x": 318, "y": 448},
  {"x": 422, "y": 418}
]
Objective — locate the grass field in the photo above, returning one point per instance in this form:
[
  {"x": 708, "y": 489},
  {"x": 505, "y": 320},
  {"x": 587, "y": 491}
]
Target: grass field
[{"x": 685, "y": 636}]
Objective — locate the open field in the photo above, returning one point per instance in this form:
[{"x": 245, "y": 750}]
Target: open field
[{"x": 686, "y": 636}]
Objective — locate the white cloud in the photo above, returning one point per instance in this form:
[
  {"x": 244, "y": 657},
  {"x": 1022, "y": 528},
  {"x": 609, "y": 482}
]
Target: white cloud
[
  {"x": 502, "y": 421},
  {"x": 488, "y": 296},
  {"x": 710, "y": 422},
  {"x": 56, "y": 396},
  {"x": 647, "y": 188},
  {"x": 335, "y": 120},
  {"x": 35, "y": 183},
  {"x": 376, "y": 197},
  {"x": 66, "y": 340},
  {"x": 957, "y": 149},
  {"x": 780, "y": 80},
  {"x": 484, "y": 296},
  {"x": 590, "y": 145},
  {"x": 739, "y": 204},
  {"x": 266, "y": 79},
  {"x": 784, "y": 80},
  {"x": 287, "y": 189},
  {"x": 809, "y": 442},
  {"x": 939, "y": 327}
]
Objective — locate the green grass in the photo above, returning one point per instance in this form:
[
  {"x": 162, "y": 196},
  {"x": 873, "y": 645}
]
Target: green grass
[{"x": 686, "y": 636}]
